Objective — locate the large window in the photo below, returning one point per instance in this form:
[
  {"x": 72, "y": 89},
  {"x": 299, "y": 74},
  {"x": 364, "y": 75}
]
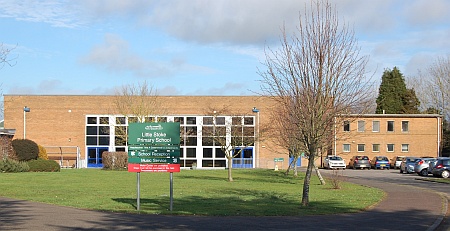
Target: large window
[
  {"x": 405, "y": 147},
  {"x": 375, "y": 126},
  {"x": 405, "y": 126},
  {"x": 375, "y": 147},
  {"x": 390, "y": 126},
  {"x": 390, "y": 147},
  {"x": 346, "y": 148},
  {"x": 361, "y": 147},
  {"x": 361, "y": 125},
  {"x": 97, "y": 131},
  {"x": 346, "y": 126}
]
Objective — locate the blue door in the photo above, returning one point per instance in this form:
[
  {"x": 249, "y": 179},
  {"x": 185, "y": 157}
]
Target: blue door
[
  {"x": 244, "y": 159},
  {"x": 95, "y": 157}
]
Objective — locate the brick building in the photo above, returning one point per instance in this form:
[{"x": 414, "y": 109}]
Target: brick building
[
  {"x": 388, "y": 135},
  {"x": 76, "y": 129}
]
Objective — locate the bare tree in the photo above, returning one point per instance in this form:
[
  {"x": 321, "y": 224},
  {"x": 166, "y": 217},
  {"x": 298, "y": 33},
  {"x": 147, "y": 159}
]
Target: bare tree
[
  {"x": 433, "y": 86},
  {"x": 316, "y": 75},
  {"x": 139, "y": 103},
  {"x": 228, "y": 132},
  {"x": 5, "y": 56}
]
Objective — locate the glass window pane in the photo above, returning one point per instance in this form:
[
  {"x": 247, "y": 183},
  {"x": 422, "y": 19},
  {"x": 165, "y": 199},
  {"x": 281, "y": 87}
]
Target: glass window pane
[
  {"x": 376, "y": 126},
  {"x": 162, "y": 119},
  {"x": 346, "y": 147},
  {"x": 220, "y": 120},
  {"x": 220, "y": 131},
  {"x": 120, "y": 120},
  {"x": 390, "y": 126},
  {"x": 207, "y": 163},
  {"x": 248, "y": 121},
  {"x": 191, "y": 120},
  {"x": 390, "y": 147},
  {"x": 361, "y": 126},
  {"x": 220, "y": 153},
  {"x": 236, "y": 120},
  {"x": 103, "y": 130},
  {"x": 249, "y": 141},
  {"x": 207, "y": 152},
  {"x": 248, "y": 153},
  {"x": 132, "y": 119},
  {"x": 361, "y": 147},
  {"x": 249, "y": 131},
  {"x": 191, "y": 153},
  {"x": 405, "y": 147},
  {"x": 103, "y": 140},
  {"x": 207, "y": 131},
  {"x": 375, "y": 147},
  {"x": 209, "y": 120},
  {"x": 91, "y": 130},
  {"x": 191, "y": 141},
  {"x": 220, "y": 163},
  {"x": 179, "y": 119},
  {"x": 346, "y": 126},
  {"x": 207, "y": 141},
  {"x": 405, "y": 126},
  {"x": 104, "y": 120},
  {"x": 92, "y": 120},
  {"x": 191, "y": 131},
  {"x": 91, "y": 140}
]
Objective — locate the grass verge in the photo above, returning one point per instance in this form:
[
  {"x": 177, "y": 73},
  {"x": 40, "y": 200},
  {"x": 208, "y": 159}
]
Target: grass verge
[{"x": 254, "y": 192}]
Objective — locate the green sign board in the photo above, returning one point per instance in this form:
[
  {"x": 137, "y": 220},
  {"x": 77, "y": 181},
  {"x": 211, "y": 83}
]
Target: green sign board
[
  {"x": 160, "y": 152},
  {"x": 154, "y": 133},
  {"x": 149, "y": 160},
  {"x": 278, "y": 159}
]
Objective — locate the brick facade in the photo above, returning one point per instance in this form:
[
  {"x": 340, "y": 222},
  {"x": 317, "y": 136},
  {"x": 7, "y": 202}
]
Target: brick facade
[{"x": 61, "y": 121}]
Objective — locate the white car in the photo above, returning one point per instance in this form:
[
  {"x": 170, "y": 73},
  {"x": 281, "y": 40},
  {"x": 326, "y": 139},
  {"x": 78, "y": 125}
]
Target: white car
[{"x": 334, "y": 162}]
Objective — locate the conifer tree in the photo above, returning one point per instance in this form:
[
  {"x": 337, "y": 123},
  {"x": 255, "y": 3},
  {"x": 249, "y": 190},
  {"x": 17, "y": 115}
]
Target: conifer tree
[{"x": 394, "y": 97}]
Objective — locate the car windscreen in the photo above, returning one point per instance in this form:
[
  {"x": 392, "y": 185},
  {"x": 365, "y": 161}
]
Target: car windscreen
[{"x": 335, "y": 158}]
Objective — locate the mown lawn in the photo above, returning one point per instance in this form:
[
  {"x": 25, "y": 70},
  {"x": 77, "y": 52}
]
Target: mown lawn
[{"x": 254, "y": 192}]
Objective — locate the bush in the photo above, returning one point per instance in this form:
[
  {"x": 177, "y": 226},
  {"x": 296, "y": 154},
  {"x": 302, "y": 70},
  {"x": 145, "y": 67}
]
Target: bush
[
  {"x": 115, "y": 160},
  {"x": 42, "y": 153},
  {"x": 25, "y": 149},
  {"x": 6, "y": 149},
  {"x": 41, "y": 165},
  {"x": 9, "y": 165}
]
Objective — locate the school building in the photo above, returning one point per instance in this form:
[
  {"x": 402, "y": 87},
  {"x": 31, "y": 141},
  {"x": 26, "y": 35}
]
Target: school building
[{"x": 77, "y": 129}]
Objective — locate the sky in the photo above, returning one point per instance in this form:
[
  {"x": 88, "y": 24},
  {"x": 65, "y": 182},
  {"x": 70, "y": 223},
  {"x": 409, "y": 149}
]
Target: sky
[{"x": 194, "y": 47}]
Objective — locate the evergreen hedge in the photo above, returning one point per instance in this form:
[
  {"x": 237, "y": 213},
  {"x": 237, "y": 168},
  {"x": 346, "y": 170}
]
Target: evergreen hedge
[
  {"x": 41, "y": 165},
  {"x": 10, "y": 165},
  {"x": 25, "y": 149}
]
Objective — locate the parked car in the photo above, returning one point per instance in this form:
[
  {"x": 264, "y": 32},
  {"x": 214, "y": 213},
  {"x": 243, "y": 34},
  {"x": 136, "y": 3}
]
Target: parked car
[
  {"x": 396, "y": 161},
  {"x": 407, "y": 165},
  {"x": 334, "y": 162},
  {"x": 380, "y": 162},
  {"x": 442, "y": 168},
  {"x": 423, "y": 166},
  {"x": 359, "y": 162}
]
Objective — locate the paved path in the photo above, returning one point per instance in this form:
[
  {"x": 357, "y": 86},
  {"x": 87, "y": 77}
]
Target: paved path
[{"x": 404, "y": 208}]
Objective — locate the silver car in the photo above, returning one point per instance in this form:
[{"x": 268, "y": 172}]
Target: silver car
[
  {"x": 423, "y": 166},
  {"x": 407, "y": 165}
]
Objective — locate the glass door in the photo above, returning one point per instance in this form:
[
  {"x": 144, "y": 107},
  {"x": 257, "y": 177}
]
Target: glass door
[
  {"x": 94, "y": 159},
  {"x": 244, "y": 159}
]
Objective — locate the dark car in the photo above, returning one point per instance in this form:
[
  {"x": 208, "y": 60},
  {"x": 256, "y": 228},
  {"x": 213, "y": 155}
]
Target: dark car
[
  {"x": 407, "y": 165},
  {"x": 442, "y": 168},
  {"x": 359, "y": 162},
  {"x": 380, "y": 162}
]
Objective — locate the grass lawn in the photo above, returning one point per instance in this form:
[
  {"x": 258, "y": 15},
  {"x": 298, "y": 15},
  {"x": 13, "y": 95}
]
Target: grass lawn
[{"x": 254, "y": 192}]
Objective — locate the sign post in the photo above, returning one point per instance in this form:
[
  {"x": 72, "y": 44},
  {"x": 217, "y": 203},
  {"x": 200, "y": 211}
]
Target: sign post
[{"x": 154, "y": 147}]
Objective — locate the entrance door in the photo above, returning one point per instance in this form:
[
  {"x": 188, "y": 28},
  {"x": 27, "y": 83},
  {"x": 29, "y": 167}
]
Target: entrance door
[
  {"x": 244, "y": 159},
  {"x": 95, "y": 157}
]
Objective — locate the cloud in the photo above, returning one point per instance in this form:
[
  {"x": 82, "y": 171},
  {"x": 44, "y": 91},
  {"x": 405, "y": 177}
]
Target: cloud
[
  {"x": 115, "y": 55},
  {"x": 53, "y": 12}
]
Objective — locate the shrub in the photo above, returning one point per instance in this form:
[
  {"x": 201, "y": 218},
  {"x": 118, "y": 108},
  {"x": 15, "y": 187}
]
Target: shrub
[
  {"x": 41, "y": 165},
  {"x": 42, "y": 153},
  {"x": 115, "y": 160},
  {"x": 25, "y": 149},
  {"x": 9, "y": 165}
]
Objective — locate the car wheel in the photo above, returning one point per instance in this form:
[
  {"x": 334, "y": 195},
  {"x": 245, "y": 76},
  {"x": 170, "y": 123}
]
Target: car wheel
[
  {"x": 445, "y": 174},
  {"x": 424, "y": 172}
]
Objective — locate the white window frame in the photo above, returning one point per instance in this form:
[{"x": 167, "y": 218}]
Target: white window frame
[
  {"x": 373, "y": 126},
  {"x": 375, "y": 145},
  {"x": 405, "y": 149},
  {"x": 363, "y": 147},
  {"x": 407, "y": 126},
  {"x": 361, "y": 125},
  {"x": 346, "y": 147},
  {"x": 393, "y": 126},
  {"x": 387, "y": 148}
]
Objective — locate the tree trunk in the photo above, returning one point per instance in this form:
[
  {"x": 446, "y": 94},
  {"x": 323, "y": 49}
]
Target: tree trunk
[
  {"x": 230, "y": 163},
  {"x": 322, "y": 181},
  {"x": 307, "y": 181}
]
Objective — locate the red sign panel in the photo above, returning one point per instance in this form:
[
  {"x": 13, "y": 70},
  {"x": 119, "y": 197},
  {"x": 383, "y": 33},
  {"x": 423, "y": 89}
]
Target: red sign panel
[{"x": 153, "y": 168}]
